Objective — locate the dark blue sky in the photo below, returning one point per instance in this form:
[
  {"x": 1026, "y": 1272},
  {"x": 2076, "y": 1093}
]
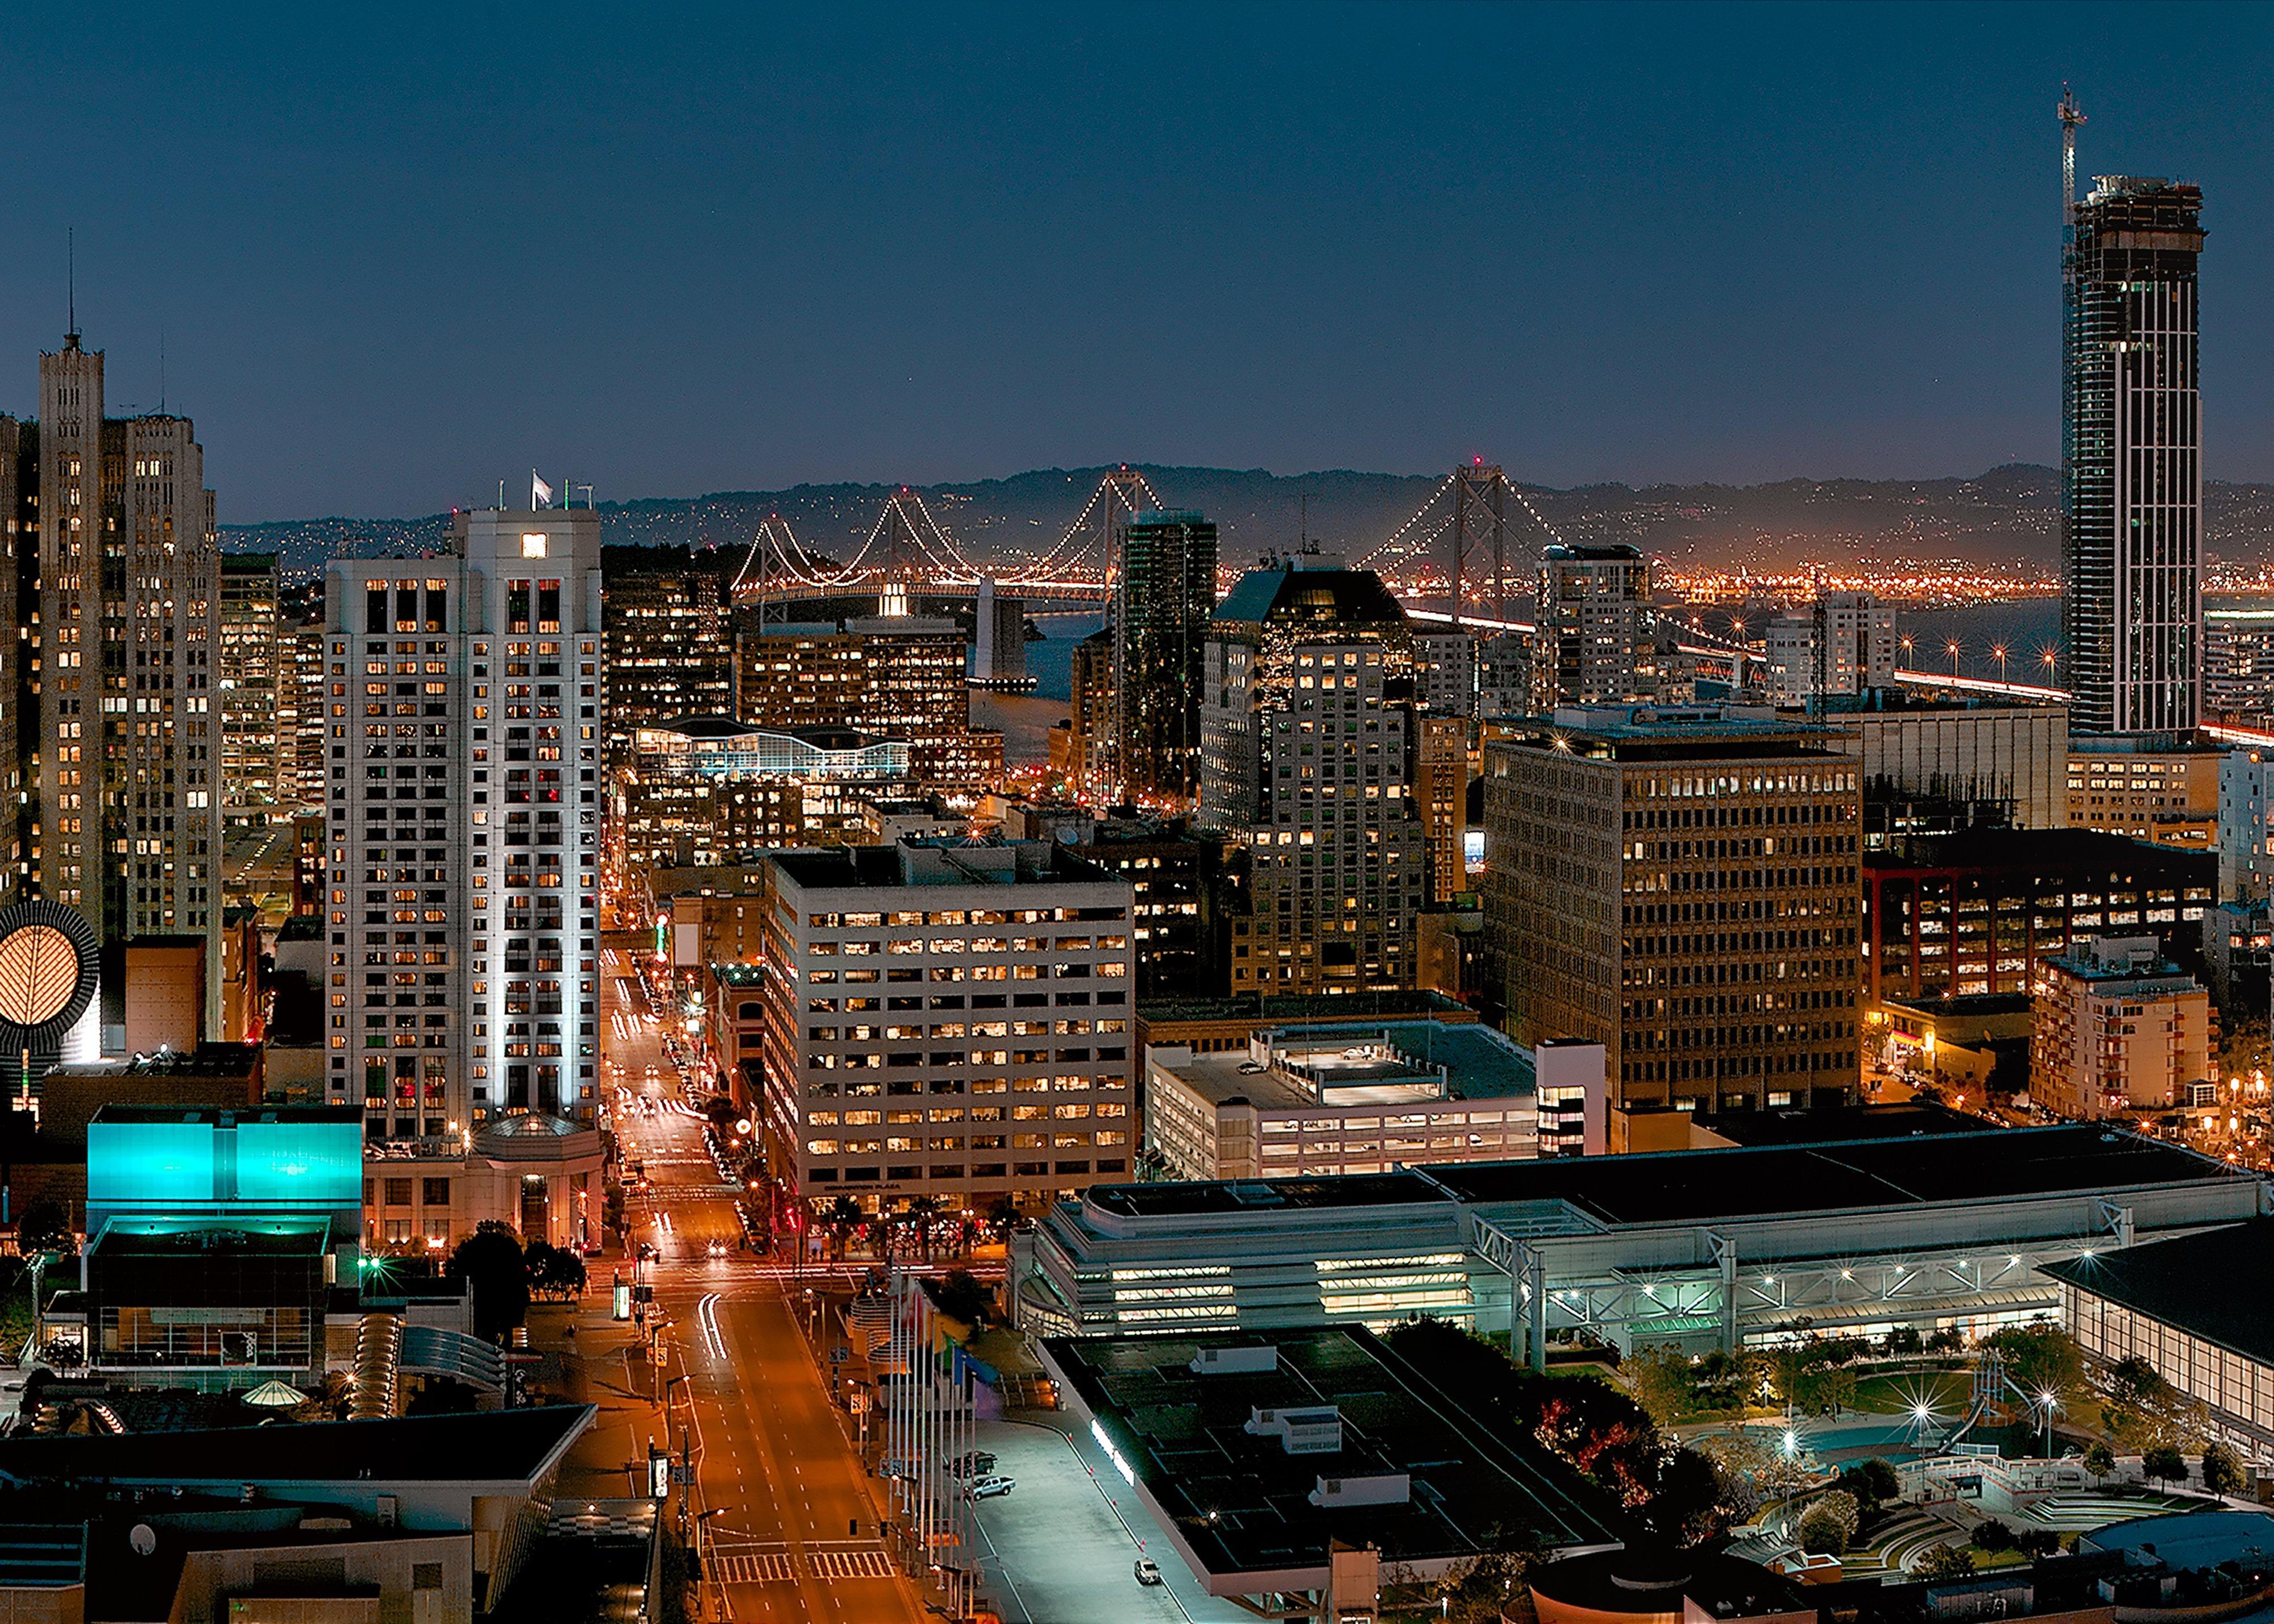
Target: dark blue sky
[{"x": 675, "y": 250}]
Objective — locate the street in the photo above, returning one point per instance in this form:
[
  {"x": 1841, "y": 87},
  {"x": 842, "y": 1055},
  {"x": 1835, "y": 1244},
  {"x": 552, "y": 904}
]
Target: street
[{"x": 790, "y": 1531}]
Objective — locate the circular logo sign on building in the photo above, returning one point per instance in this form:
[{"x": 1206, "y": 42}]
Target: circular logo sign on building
[{"x": 49, "y": 961}]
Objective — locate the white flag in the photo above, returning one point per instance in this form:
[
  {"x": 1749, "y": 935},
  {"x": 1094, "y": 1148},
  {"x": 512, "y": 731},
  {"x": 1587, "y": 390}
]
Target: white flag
[{"x": 540, "y": 494}]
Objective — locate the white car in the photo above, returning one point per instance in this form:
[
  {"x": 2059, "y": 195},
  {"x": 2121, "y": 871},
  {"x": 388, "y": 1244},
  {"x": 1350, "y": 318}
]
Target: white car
[
  {"x": 988, "y": 1488},
  {"x": 1149, "y": 1571}
]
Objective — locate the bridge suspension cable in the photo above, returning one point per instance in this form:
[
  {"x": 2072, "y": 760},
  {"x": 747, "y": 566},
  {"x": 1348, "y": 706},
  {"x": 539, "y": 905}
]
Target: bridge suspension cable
[{"x": 1117, "y": 489}]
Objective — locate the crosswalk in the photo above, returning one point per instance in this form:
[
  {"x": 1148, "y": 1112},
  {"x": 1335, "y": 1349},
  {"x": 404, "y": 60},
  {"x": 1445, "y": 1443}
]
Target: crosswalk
[{"x": 779, "y": 1564}]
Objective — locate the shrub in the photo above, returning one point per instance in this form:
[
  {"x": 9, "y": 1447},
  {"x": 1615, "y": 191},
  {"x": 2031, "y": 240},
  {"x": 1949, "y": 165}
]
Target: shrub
[
  {"x": 1992, "y": 1535},
  {"x": 1828, "y": 1524}
]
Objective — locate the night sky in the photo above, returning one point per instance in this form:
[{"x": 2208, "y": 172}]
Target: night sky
[{"x": 697, "y": 250}]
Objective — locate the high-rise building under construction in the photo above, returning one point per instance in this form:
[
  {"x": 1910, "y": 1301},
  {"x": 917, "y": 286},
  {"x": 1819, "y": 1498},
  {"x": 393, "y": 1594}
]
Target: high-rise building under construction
[{"x": 2131, "y": 455}]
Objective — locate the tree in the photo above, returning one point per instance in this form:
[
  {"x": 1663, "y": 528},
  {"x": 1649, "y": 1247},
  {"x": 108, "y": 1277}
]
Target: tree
[
  {"x": 2222, "y": 1472},
  {"x": 720, "y": 1112},
  {"x": 1482, "y": 1588},
  {"x": 2041, "y": 1358},
  {"x": 1003, "y": 1217},
  {"x": 2143, "y": 1410},
  {"x": 1875, "y": 1481},
  {"x": 1663, "y": 1382},
  {"x": 961, "y": 1295},
  {"x": 1904, "y": 1339},
  {"x": 491, "y": 1263},
  {"x": 844, "y": 1217},
  {"x": 923, "y": 1212},
  {"x": 1828, "y": 1523},
  {"x": 1946, "y": 1562},
  {"x": 44, "y": 1227},
  {"x": 1992, "y": 1535},
  {"x": 2099, "y": 1460},
  {"x": 554, "y": 1271},
  {"x": 1684, "y": 1503},
  {"x": 2163, "y": 1464}
]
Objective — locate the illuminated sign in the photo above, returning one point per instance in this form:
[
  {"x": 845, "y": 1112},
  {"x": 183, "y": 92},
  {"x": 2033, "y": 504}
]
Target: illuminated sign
[{"x": 532, "y": 544}]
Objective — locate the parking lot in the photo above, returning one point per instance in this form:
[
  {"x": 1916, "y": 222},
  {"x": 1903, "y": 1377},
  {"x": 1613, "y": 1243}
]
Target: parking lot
[{"x": 1063, "y": 1554}]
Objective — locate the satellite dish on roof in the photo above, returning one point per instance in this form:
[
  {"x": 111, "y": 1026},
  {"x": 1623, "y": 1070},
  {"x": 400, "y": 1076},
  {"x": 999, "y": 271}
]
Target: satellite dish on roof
[{"x": 143, "y": 1539}]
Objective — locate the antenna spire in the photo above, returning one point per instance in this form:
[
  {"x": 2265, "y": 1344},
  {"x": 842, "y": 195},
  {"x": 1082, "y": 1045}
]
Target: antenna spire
[
  {"x": 70, "y": 284},
  {"x": 2071, "y": 116}
]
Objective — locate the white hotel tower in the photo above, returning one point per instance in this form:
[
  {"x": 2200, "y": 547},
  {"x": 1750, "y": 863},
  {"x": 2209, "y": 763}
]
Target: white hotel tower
[{"x": 466, "y": 713}]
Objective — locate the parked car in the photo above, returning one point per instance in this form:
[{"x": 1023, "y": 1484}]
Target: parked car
[
  {"x": 989, "y": 1487},
  {"x": 978, "y": 1464},
  {"x": 1149, "y": 1571}
]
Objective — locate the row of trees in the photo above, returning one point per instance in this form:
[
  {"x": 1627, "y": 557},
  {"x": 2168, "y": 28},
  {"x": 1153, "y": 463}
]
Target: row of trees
[{"x": 924, "y": 1226}]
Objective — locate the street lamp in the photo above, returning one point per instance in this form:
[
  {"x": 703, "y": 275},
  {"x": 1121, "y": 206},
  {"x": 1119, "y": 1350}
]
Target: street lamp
[
  {"x": 1952, "y": 649},
  {"x": 1997, "y": 653}
]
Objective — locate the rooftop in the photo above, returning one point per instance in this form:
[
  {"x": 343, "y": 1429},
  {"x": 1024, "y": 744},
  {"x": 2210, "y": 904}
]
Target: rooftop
[
  {"x": 1243, "y": 1503},
  {"x": 1288, "y": 594},
  {"x": 1343, "y": 1065},
  {"x": 1846, "y": 1123},
  {"x": 1296, "y": 1007},
  {"x": 2040, "y": 851},
  {"x": 1669, "y": 733},
  {"x": 2190, "y": 1283},
  {"x": 1698, "y": 1186},
  {"x": 966, "y": 863},
  {"x": 511, "y": 1446}
]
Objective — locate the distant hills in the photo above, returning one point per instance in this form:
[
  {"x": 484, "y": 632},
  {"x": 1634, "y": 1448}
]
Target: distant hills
[{"x": 2005, "y": 517}]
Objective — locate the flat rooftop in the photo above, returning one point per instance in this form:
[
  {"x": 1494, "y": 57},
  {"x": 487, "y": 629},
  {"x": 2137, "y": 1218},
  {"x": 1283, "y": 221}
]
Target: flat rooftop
[
  {"x": 1699, "y": 1186},
  {"x": 1393, "y": 1063},
  {"x": 2191, "y": 1284},
  {"x": 1843, "y": 1123},
  {"x": 2060, "y": 852},
  {"x": 1242, "y": 1505},
  {"x": 494, "y": 1447},
  {"x": 959, "y": 862}
]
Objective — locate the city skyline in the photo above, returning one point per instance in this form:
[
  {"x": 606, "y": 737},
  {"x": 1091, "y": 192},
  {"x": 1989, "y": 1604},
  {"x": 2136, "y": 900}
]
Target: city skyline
[{"x": 751, "y": 197}]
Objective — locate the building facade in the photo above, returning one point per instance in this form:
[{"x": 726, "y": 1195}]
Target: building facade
[
  {"x": 466, "y": 711},
  {"x": 1312, "y": 1102},
  {"x": 251, "y": 728},
  {"x": 1308, "y": 723},
  {"x": 2132, "y": 458},
  {"x": 1161, "y": 607},
  {"x": 2151, "y": 787},
  {"x": 2120, "y": 1030},
  {"x": 1592, "y": 642},
  {"x": 1445, "y": 672},
  {"x": 2245, "y": 824},
  {"x": 896, "y": 677},
  {"x": 1931, "y": 766},
  {"x": 2238, "y": 664},
  {"x": 1681, "y": 888},
  {"x": 1959, "y": 916},
  {"x": 951, "y": 1021},
  {"x": 711, "y": 790},
  {"x": 669, "y": 633},
  {"x": 1857, "y": 636},
  {"x": 116, "y": 698}
]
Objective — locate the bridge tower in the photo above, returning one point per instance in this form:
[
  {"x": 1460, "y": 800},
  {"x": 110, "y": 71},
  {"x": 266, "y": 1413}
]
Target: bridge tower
[{"x": 1480, "y": 534}]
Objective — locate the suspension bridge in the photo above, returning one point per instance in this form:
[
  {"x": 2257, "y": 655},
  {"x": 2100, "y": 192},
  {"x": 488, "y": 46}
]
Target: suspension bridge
[
  {"x": 1468, "y": 556},
  {"x": 1453, "y": 559}
]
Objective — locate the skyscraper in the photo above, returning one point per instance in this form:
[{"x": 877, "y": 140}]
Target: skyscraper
[
  {"x": 670, "y": 639},
  {"x": 1680, "y": 887},
  {"x": 1307, "y": 730},
  {"x": 465, "y": 805},
  {"x": 116, "y": 720},
  {"x": 2131, "y": 457},
  {"x": 1591, "y": 642},
  {"x": 250, "y": 669},
  {"x": 1161, "y": 614}
]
